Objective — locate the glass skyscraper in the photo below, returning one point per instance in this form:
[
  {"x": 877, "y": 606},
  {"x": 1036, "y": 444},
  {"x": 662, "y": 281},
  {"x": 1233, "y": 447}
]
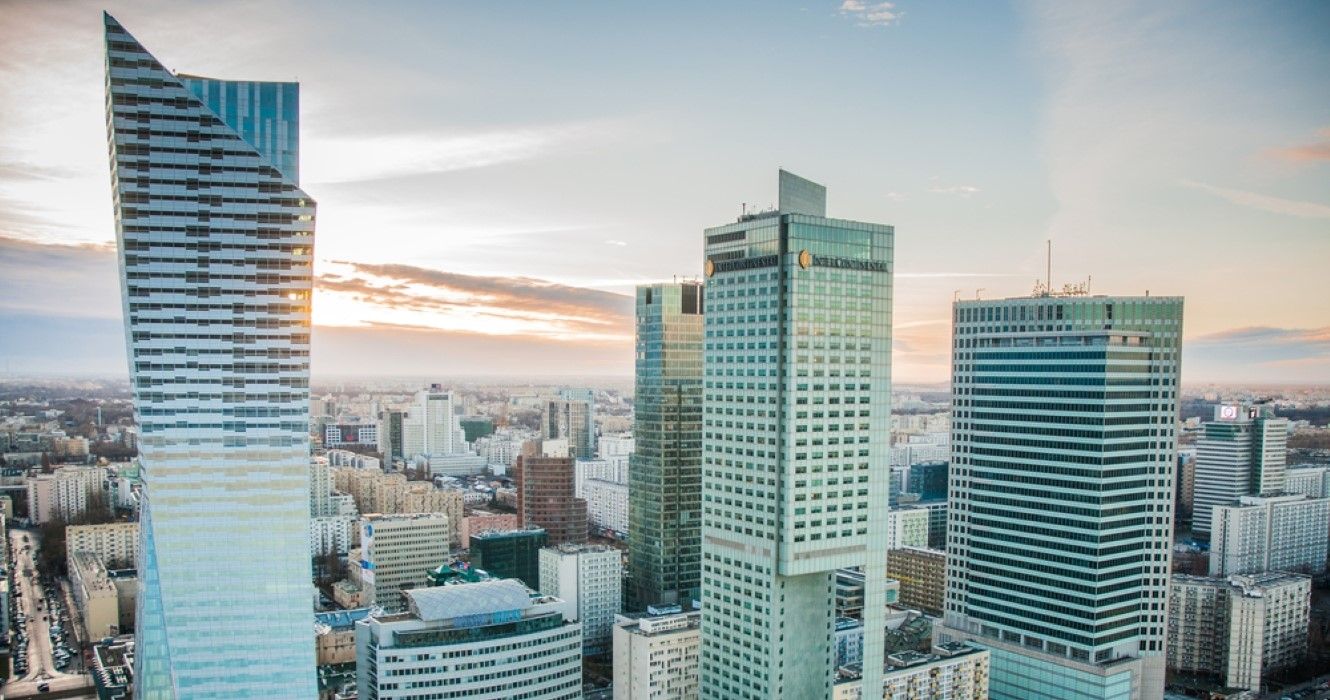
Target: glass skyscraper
[
  {"x": 215, "y": 243},
  {"x": 665, "y": 470},
  {"x": 795, "y": 460},
  {"x": 1064, "y": 412}
]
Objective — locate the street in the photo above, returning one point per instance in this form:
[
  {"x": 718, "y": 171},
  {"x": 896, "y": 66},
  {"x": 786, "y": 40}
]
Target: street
[{"x": 30, "y": 602}]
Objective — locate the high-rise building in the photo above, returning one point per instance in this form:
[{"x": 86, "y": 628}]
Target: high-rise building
[
  {"x": 431, "y": 427},
  {"x": 1280, "y": 533},
  {"x": 907, "y": 527},
  {"x": 795, "y": 421},
  {"x": 1238, "y": 629},
  {"x": 1308, "y": 480},
  {"x": 655, "y": 657},
  {"x": 488, "y": 640},
  {"x": 572, "y": 417},
  {"x": 215, "y": 242},
  {"x": 545, "y": 498},
  {"x": 665, "y": 470},
  {"x": 66, "y": 493},
  {"x": 589, "y": 579},
  {"x": 1061, "y": 491},
  {"x": 1242, "y": 452},
  {"x": 397, "y": 552},
  {"x": 510, "y": 554},
  {"x": 390, "y": 434}
]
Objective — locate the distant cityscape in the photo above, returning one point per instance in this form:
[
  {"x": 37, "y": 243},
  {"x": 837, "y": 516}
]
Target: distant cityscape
[{"x": 759, "y": 512}]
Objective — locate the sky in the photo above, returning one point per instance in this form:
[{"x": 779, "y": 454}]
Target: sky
[{"x": 494, "y": 178}]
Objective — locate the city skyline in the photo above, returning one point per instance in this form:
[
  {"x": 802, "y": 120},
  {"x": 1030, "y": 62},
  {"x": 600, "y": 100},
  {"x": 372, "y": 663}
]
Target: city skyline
[{"x": 455, "y": 242}]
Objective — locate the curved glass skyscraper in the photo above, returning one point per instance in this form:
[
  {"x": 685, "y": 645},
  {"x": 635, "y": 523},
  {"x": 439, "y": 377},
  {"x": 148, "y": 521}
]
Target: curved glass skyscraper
[{"x": 215, "y": 240}]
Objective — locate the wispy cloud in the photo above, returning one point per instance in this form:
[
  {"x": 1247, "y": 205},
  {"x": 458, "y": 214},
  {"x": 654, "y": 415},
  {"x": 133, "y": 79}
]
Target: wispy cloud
[
  {"x": 496, "y": 305},
  {"x": 958, "y": 190},
  {"x": 1260, "y": 353},
  {"x": 871, "y": 14},
  {"x": 1265, "y": 202},
  {"x": 338, "y": 159},
  {"x": 1314, "y": 151}
]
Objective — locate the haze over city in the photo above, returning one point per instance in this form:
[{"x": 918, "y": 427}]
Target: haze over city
[{"x": 493, "y": 180}]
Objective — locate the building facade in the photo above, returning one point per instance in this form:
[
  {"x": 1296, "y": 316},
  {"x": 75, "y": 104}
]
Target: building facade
[
  {"x": 510, "y": 553},
  {"x": 1281, "y": 533},
  {"x": 953, "y": 671},
  {"x": 665, "y": 470},
  {"x": 491, "y": 640},
  {"x": 589, "y": 579},
  {"x": 1242, "y": 452},
  {"x": 1061, "y": 491},
  {"x": 545, "y": 498},
  {"x": 1237, "y": 630},
  {"x": 66, "y": 493},
  {"x": 795, "y": 421},
  {"x": 117, "y": 544},
  {"x": 656, "y": 658},
  {"x": 923, "y": 577},
  {"x": 397, "y": 553},
  {"x": 215, "y": 241},
  {"x": 607, "y": 508}
]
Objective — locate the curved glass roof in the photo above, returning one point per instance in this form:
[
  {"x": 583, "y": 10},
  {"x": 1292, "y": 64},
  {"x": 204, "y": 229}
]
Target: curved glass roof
[{"x": 447, "y": 602}]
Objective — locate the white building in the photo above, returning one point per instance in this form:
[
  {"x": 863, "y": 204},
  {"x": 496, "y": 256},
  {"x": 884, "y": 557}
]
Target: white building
[
  {"x": 955, "y": 671},
  {"x": 655, "y": 658},
  {"x": 431, "y": 426},
  {"x": 490, "y": 640},
  {"x": 355, "y": 460},
  {"x": 65, "y": 493},
  {"x": 1240, "y": 628},
  {"x": 320, "y": 487},
  {"x": 612, "y": 469},
  {"x": 1281, "y": 533},
  {"x": 907, "y": 527},
  {"x": 607, "y": 507},
  {"x": 1243, "y": 452},
  {"x": 397, "y": 552},
  {"x": 620, "y": 445},
  {"x": 330, "y": 534},
  {"x": 1308, "y": 480},
  {"x": 589, "y": 579},
  {"x": 117, "y": 544},
  {"x": 343, "y": 434}
]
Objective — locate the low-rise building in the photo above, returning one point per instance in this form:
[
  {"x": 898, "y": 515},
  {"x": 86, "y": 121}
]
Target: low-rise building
[
  {"x": 656, "y": 658},
  {"x": 335, "y": 636},
  {"x": 113, "y": 667},
  {"x": 484, "y": 521},
  {"x": 1237, "y": 630},
  {"x": 95, "y": 595},
  {"x": 490, "y": 640},
  {"x": 510, "y": 553},
  {"x": 955, "y": 671}
]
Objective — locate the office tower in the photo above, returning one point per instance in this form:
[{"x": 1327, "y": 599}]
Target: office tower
[
  {"x": 655, "y": 657},
  {"x": 510, "y": 554},
  {"x": 1280, "y": 533},
  {"x": 589, "y": 579},
  {"x": 463, "y": 641},
  {"x": 1242, "y": 452},
  {"x": 397, "y": 552},
  {"x": 390, "y": 434},
  {"x": 545, "y": 498},
  {"x": 665, "y": 469},
  {"x": 955, "y": 671},
  {"x": 923, "y": 577},
  {"x": 1238, "y": 629},
  {"x": 796, "y": 403},
  {"x": 1061, "y": 491},
  {"x": 431, "y": 426},
  {"x": 572, "y": 417},
  {"x": 929, "y": 480},
  {"x": 215, "y": 240}
]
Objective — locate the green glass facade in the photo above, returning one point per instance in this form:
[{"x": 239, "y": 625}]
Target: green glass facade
[
  {"x": 510, "y": 554},
  {"x": 796, "y": 409},
  {"x": 665, "y": 471},
  {"x": 1064, "y": 415}
]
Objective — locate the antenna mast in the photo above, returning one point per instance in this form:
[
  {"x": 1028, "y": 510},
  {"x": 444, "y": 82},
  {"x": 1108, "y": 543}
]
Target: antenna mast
[{"x": 1048, "y": 277}]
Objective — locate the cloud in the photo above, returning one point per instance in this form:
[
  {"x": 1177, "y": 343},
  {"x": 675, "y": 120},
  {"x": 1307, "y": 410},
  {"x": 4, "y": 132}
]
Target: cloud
[
  {"x": 329, "y": 159},
  {"x": 1265, "y": 202},
  {"x": 871, "y": 14},
  {"x": 1259, "y": 353},
  {"x": 1315, "y": 151},
  {"x": 497, "y": 305},
  {"x": 958, "y": 190},
  {"x": 75, "y": 281}
]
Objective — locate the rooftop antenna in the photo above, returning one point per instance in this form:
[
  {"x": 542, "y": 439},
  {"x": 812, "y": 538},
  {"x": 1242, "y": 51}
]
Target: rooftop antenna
[
  {"x": 976, "y": 292},
  {"x": 743, "y": 209},
  {"x": 955, "y": 296}
]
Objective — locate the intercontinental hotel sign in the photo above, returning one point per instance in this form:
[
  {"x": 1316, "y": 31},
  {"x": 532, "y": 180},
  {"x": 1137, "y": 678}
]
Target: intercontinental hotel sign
[{"x": 806, "y": 260}]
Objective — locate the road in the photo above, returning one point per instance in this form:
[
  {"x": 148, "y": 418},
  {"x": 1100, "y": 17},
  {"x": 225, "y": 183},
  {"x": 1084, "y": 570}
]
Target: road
[{"x": 41, "y": 666}]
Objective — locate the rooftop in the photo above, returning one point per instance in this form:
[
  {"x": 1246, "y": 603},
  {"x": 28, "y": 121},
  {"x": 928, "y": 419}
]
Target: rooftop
[{"x": 448, "y": 602}]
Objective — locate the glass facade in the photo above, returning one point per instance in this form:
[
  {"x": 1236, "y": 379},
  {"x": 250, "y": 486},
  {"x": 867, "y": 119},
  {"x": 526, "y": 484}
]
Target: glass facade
[
  {"x": 665, "y": 470},
  {"x": 1064, "y": 415},
  {"x": 215, "y": 246},
  {"x": 796, "y": 403}
]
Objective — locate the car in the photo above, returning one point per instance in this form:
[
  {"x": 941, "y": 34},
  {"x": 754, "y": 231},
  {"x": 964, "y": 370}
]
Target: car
[{"x": 44, "y": 688}]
